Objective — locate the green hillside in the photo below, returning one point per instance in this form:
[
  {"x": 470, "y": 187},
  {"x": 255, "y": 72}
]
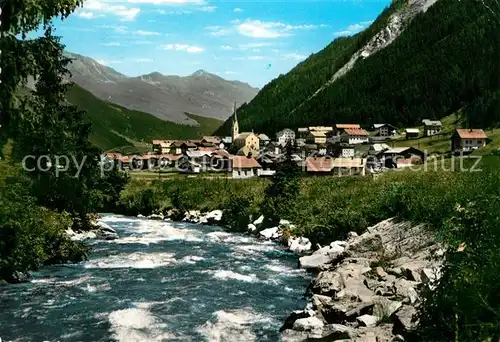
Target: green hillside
[
  {"x": 446, "y": 59},
  {"x": 115, "y": 127}
]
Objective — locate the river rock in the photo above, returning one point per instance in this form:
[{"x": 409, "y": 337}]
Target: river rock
[
  {"x": 315, "y": 261},
  {"x": 295, "y": 315},
  {"x": 156, "y": 217},
  {"x": 368, "y": 320},
  {"x": 214, "y": 217},
  {"x": 405, "y": 319},
  {"x": 328, "y": 283},
  {"x": 269, "y": 233},
  {"x": 251, "y": 228},
  {"x": 386, "y": 308},
  {"x": 313, "y": 324},
  {"x": 299, "y": 245},
  {"x": 258, "y": 221},
  {"x": 99, "y": 225}
]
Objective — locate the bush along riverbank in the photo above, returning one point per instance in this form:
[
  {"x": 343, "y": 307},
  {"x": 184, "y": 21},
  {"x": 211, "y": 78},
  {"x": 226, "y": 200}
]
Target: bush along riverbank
[{"x": 457, "y": 210}]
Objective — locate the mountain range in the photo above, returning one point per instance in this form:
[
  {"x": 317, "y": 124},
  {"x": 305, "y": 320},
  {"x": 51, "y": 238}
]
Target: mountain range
[
  {"x": 419, "y": 59},
  {"x": 166, "y": 97}
]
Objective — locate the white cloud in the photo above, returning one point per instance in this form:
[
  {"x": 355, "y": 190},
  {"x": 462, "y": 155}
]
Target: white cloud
[
  {"x": 86, "y": 15},
  {"x": 294, "y": 56},
  {"x": 92, "y": 7},
  {"x": 237, "y": 10},
  {"x": 144, "y": 60},
  {"x": 111, "y": 44},
  {"x": 147, "y": 33},
  {"x": 355, "y": 27},
  {"x": 226, "y": 47},
  {"x": 142, "y": 42},
  {"x": 182, "y": 47},
  {"x": 352, "y": 29},
  {"x": 261, "y": 29}
]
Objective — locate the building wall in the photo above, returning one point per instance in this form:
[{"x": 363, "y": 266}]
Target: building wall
[
  {"x": 431, "y": 130},
  {"x": 353, "y": 140},
  {"x": 244, "y": 173},
  {"x": 384, "y": 131},
  {"x": 347, "y": 152},
  {"x": 286, "y": 136},
  {"x": 468, "y": 144}
]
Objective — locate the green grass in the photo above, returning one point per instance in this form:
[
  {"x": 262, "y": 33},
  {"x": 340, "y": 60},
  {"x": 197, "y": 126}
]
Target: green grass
[{"x": 115, "y": 127}]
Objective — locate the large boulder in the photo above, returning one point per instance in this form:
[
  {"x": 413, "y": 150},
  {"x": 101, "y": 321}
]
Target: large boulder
[
  {"x": 315, "y": 261},
  {"x": 259, "y": 221},
  {"x": 214, "y": 217},
  {"x": 405, "y": 319},
  {"x": 368, "y": 320},
  {"x": 295, "y": 315},
  {"x": 251, "y": 228},
  {"x": 104, "y": 231},
  {"x": 99, "y": 225},
  {"x": 312, "y": 324},
  {"x": 156, "y": 217},
  {"x": 270, "y": 233},
  {"x": 328, "y": 283},
  {"x": 299, "y": 245}
]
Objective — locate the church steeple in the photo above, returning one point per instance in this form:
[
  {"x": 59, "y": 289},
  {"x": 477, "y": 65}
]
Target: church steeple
[{"x": 236, "y": 128}]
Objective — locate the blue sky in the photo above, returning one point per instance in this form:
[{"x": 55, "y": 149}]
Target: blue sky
[{"x": 249, "y": 41}]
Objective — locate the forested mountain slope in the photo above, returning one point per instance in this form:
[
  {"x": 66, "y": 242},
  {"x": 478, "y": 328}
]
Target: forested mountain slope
[{"x": 439, "y": 60}]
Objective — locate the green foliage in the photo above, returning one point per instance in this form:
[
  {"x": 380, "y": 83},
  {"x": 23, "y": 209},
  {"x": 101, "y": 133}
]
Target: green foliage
[
  {"x": 237, "y": 213},
  {"x": 114, "y": 126},
  {"x": 30, "y": 235},
  {"x": 36, "y": 207},
  {"x": 281, "y": 196},
  {"x": 445, "y": 59},
  {"x": 466, "y": 304}
]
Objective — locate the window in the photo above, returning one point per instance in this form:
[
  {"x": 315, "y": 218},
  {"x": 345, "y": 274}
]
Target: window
[{"x": 480, "y": 142}]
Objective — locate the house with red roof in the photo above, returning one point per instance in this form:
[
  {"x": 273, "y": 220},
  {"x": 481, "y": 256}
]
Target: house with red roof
[
  {"x": 354, "y": 136},
  {"x": 245, "y": 167},
  {"x": 467, "y": 140}
]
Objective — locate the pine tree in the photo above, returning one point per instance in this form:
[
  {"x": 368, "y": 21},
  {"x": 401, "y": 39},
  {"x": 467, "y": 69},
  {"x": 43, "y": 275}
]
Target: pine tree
[{"x": 281, "y": 195}]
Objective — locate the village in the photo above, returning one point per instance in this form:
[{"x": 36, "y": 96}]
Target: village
[{"x": 340, "y": 150}]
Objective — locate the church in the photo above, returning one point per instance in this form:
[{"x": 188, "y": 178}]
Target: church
[{"x": 247, "y": 143}]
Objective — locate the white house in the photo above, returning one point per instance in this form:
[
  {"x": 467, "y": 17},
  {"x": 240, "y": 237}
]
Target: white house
[
  {"x": 385, "y": 130},
  {"x": 354, "y": 136},
  {"x": 412, "y": 133},
  {"x": 245, "y": 167},
  {"x": 468, "y": 140},
  {"x": 263, "y": 140},
  {"x": 432, "y": 127},
  {"x": 284, "y": 136},
  {"x": 376, "y": 149}
]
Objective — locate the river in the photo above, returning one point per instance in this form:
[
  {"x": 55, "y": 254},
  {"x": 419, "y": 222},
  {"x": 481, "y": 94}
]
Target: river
[{"x": 160, "y": 281}]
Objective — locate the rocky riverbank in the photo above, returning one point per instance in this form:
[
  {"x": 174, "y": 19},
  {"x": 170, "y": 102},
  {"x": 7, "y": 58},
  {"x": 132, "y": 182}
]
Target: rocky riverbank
[{"x": 369, "y": 287}]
